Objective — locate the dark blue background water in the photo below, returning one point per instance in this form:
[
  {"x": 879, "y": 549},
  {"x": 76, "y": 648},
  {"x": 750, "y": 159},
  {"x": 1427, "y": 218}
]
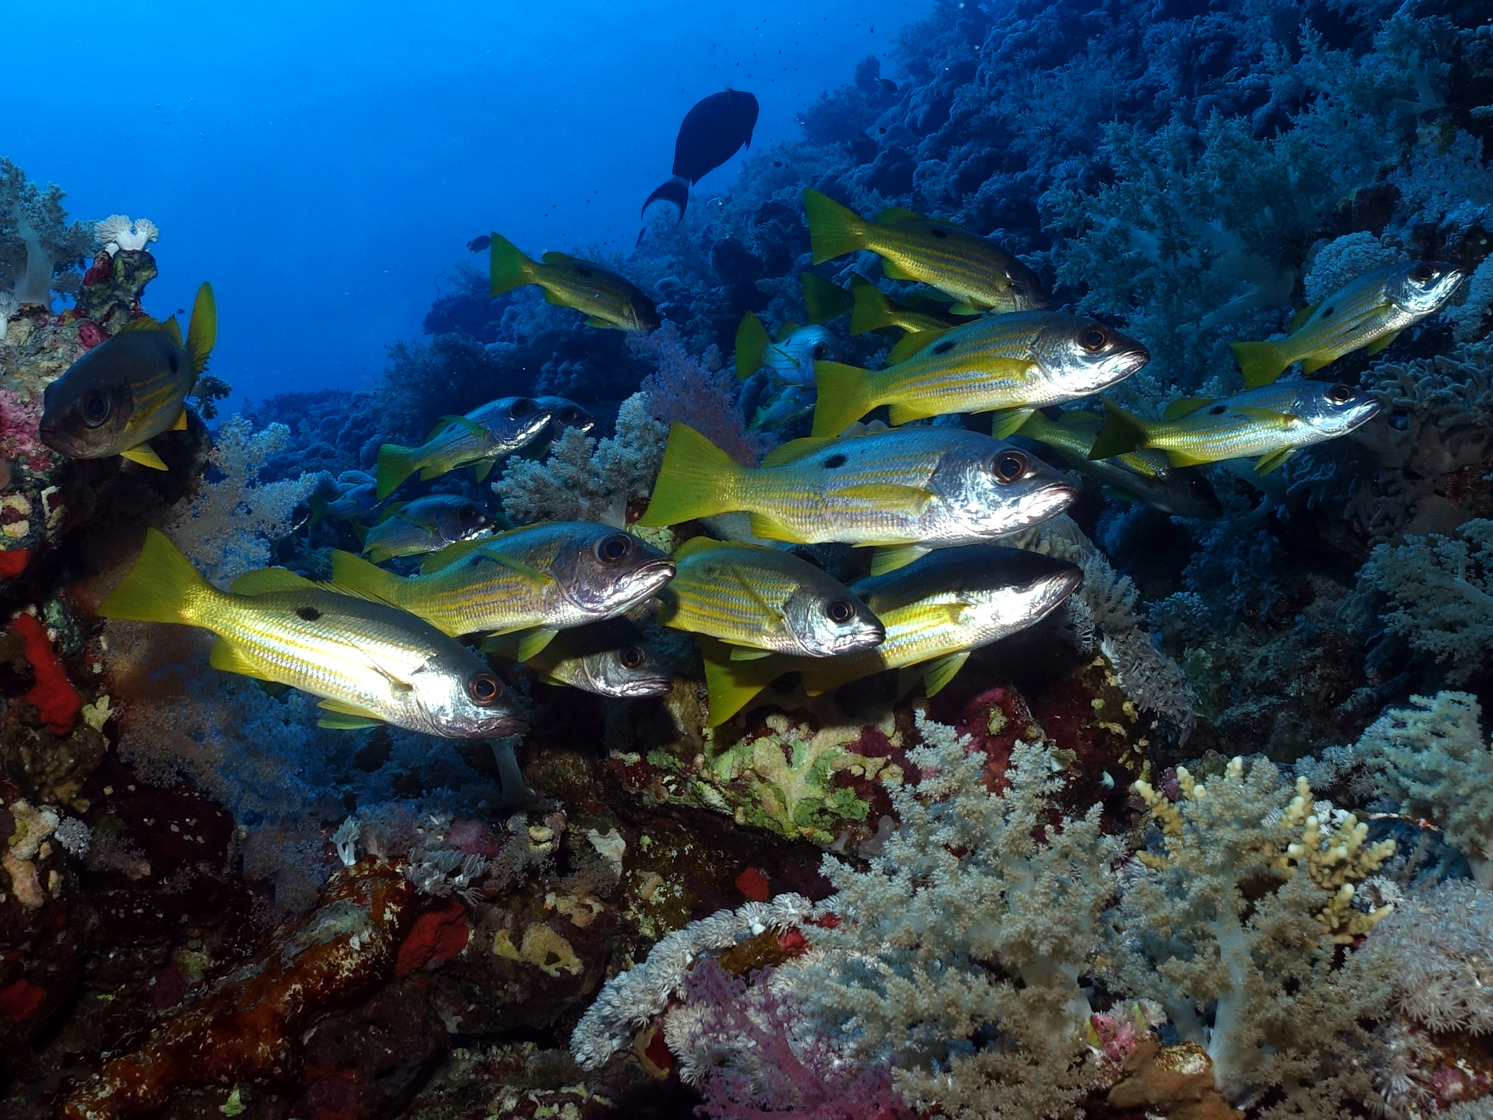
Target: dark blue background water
[{"x": 324, "y": 163}]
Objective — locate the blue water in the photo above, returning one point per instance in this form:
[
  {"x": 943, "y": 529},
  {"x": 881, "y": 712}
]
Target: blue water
[{"x": 324, "y": 164}]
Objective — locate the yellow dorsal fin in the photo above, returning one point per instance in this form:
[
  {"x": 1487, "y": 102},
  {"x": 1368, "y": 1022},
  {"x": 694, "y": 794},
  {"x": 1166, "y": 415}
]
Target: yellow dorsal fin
[
  {"x": 1186, "y": 406},
  {"x": 796, "y": 449},
  {"x": 262, "y": 580},
  {"x": 173, "y": 330},
  {"x": 893, "y": 214},
  {"x": 910, "y": 344},
  {"x": 144, "y": 323},
  {"x": 554, "y": 256}
]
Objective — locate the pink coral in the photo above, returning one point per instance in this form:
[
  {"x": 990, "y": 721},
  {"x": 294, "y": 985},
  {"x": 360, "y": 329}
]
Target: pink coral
[
  {"x": 699, "y": 392},
  {"x": 20, "y": 431}
]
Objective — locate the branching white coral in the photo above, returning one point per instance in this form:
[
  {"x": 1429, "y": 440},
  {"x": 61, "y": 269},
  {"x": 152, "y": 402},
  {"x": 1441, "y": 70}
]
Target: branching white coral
[
  {"x": 9, "y": 305},
  {"x": 631, "y": 998},
  {"x": 118, "y": 232}
]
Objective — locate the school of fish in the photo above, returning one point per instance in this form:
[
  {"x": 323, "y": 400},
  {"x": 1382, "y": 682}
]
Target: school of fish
[{"x": 930, "y": 501}]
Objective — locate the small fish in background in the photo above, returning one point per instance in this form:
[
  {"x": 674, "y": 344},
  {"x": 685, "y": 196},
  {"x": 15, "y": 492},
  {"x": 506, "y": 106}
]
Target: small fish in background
[
  {"x": 369, "y": 662},
  {"x": 129, "y": 388},
  {"x": 1016, "y": 361},
  {"x": 478, "y": 439},
  {"x": 764, "y": 600},
  {"x": 790, "y": 358},
  {"x": 425, "y": 525},
  {"x": 541, "y": 579},
  {"x": 977, "y": 275},
  {"x": 789, "y": 404},
  {"x": 713, "y": 131},
  {"x": 606, "y": 658},
  {"x": 935, "y": 611},
  {"x": 1366, "y": 314},
  {"x": 605, "y": 298},
  {"x": 1271, "y": 422},
  {"x": 352, "y": 494},
  {"x": 1143, "y": 476},
  {"x": 908, "y": 490},
  {"x": 477, "y": 244}
]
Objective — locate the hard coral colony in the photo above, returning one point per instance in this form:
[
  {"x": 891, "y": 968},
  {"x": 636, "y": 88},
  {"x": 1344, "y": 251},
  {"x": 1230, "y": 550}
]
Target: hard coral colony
[{"x": 858, "y": 762}]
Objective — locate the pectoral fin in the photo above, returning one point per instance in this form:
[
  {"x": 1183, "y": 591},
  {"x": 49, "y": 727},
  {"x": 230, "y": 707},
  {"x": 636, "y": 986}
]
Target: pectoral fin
[
  {"x": 1008, "y": 423},
  {"x": 941, "y": 672},
  {"x": 1268, "y": 463},
  {"x": 533, "y": 641},
  {"x": 891, "y": 557}
]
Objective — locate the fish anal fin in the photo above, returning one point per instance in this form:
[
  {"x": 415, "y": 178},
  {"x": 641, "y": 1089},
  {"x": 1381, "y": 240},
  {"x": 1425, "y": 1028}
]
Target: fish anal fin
[
  {"x": 1268, "y": 463},
  {"x": 180, "y": 423},
  {"x": 888, "y": 558},
  {"x": 768, "y": 527},
  {"x": 1009, "y": 422},
  {"x": 1312, "y": 365},
  {"x": 940, "y": 672},
  {"x": 1374, "y": 347},
  {"x": 893, "y": 271},
  {"x": 227, "y": 657},
  {"x": 531, "y": 642},
  {"x": 746, "y": 653},
  {"x": 142, "y": 454}
]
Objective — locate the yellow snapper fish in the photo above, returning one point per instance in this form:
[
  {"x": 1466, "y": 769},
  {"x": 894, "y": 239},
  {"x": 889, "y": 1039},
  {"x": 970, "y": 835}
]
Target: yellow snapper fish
[
  {"x": 1271, "y": 422},
  {"x": 977, "y": 275},
  {"x": 1367, "y": 313},
  {"x": 480, "y": 438},
  {"x": 764, "y": 600},
  {"x": 425, "y": 525},
  {"x": 935, "y": 611},
  {"x": 541, "y": 578},
  {"x": 1017, "y": 361},
  {"x": 605, "y": 658},
  {"x": 913, "y": 489},
  {"x": 1144, "y": 476},
  {"x": 129, "y": 388},
  {"x": 790, "y": 358},
  {"x": 606, "y": 299},
  {"x": 369, "y": 662}
]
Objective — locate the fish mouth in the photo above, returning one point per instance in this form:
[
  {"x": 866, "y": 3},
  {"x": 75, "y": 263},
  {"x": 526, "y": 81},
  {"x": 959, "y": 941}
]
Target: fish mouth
[
  {"x": 1051, "y": 499},
  {"x": 64, "y": 443},
  {"x": 654, "y": 686}
]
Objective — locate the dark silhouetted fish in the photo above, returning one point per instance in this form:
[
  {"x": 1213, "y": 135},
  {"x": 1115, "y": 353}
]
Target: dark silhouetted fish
[
  {"x": 713, "y": 131},
  {"x": 477, "y": 244}
]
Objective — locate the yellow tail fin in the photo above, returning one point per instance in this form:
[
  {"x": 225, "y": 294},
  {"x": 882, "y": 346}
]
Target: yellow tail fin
[
  {"x": 696, "y": 480},
  {"x": 395, "y": 464},
  {"x": 872, "y": 310},
  {"x": 1260, "y": 362},
  {"x": 1123, "y": 431},
  {"x": 751, "y": 343},
  {"x": 846, "y": 393},
  {"x": 507, "y": 267},
  {"x": 202, "y": 331},
  {"x": 161, "y": 587},
  {"x": 834, "y": 230}
]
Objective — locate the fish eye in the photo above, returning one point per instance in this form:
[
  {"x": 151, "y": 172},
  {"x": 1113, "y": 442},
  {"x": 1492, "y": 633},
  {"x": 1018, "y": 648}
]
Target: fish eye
[
  {"x": 613, "y": 548},
  {"x": 819, "y": 351},
  {"x": 1009, "y": 466},
  {"x": 96, "y": 408},
  {"x": 1340, "y": 394},
  {"x": 469, "y": 512},
  {"x": 632, "y": 657},
  {"x": 569, "y": 415},
  {"x": 1093, "y": 339},
  {"x": 1423, "y": 272},
  {"x": 484, "y": 688},
  {"x": 521, "y": 408},
  {"x": 839, "y": 611}
]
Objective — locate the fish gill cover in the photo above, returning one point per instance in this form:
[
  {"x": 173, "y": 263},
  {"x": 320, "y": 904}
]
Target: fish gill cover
[{"x": 1184, "y": 808}]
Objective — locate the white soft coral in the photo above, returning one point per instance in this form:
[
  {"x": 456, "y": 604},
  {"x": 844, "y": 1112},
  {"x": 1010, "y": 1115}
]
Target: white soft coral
[{"x": 118, "y": 232}]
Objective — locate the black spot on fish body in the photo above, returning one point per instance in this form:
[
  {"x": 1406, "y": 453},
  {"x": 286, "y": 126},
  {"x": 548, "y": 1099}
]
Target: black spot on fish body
[
  {"x": 944, "y": 347},
  {"x": 583, "y": 272},
  {"x": 173, "y": 363},
  {"x": 309, "y": 614},
  {"x": 934, "y": 231},
  {"x": 1218, "y": 410},
  {"x": 1327, "y": 312},
  {"x": 835, "y": 460}
]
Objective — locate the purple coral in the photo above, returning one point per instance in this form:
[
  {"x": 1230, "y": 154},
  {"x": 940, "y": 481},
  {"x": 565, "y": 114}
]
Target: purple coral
[
  {"x": 777, "y": 1067},
  {"x": 699, "y": 392}
]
